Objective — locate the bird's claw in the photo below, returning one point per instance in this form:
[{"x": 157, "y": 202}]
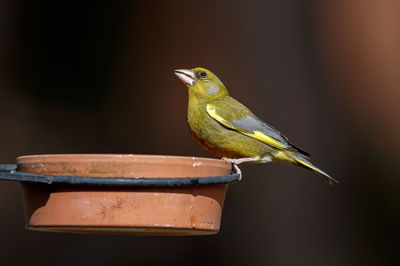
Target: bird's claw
[
  {"x": 234, "y": 164},
  {"x": 238, "y": 171}
]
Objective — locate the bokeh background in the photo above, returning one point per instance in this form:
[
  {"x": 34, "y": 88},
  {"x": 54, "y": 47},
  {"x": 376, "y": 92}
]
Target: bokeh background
[{"x": 80, "y": 77}]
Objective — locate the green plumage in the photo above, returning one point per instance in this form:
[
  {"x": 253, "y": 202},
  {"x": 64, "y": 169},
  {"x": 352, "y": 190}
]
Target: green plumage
[
  {"x": 226, "y": 128},
  {"x": 216, "y": 138}
]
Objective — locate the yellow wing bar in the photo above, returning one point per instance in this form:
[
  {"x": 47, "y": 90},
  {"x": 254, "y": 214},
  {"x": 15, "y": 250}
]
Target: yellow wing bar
[
  {"x": 254, "y": 134},
  {"x": 266, "y": 139}
]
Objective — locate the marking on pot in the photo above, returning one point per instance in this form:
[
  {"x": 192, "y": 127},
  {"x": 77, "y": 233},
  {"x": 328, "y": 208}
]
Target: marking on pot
[
  {"x": 109, "y": 210},
  {"x": 208, "y": 224},
  {"x": 130, "y": 155},
  {"x": 196, "y": 164},
  {"x": 193, "y": 221},
  {"x": 70, "y": 169},
  {"x": 193, "y": 158}
]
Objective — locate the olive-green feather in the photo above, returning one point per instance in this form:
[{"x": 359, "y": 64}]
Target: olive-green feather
[{"x": 234, "y": 115}]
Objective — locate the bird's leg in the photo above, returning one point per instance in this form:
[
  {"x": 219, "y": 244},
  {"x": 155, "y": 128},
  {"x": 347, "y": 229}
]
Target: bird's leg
[{"x": 235, "y": 162}]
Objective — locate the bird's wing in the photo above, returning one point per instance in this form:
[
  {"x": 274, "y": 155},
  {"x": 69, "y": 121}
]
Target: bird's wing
[{"x": 234, "y": 115}]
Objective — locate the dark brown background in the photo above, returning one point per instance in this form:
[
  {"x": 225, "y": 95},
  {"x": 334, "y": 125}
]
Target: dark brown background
[{"x": 98, "y": 78}]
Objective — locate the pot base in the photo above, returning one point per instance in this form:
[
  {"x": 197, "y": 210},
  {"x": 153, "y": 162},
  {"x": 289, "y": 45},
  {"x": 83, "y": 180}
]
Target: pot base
[{"x": 123, "y": 230}]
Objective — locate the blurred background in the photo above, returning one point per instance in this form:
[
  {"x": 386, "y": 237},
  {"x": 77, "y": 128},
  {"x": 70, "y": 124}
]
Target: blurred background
[{"x": 80, "y": 77}]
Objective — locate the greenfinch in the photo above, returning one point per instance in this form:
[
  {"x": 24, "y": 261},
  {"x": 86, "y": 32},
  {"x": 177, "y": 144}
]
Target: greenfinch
[{"x": 228, "y": 129}]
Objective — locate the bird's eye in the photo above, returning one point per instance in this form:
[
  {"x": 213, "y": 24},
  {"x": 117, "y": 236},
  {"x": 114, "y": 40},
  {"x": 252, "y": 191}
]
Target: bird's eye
[{"x": 202, "y": 74}]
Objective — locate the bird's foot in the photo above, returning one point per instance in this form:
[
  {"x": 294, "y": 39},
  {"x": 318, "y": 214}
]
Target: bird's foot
[
  {"x": 235, "y": 162},
  {"x": 238, "y": 171}
]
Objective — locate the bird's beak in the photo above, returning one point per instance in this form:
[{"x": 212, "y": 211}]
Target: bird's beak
[{"x": 186, "y": 75}]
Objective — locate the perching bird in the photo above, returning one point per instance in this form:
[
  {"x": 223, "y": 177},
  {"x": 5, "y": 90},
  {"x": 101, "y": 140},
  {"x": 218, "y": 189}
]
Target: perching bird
[{"x": 226, "y": 128}]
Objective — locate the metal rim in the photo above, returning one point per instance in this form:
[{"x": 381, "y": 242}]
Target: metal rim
[{"x": 9, "y": 172}]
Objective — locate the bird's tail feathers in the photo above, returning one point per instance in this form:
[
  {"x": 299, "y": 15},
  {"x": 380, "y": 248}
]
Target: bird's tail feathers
[
  {"x": 299, "y": 160},
  {"x": 302, "y": 152}
]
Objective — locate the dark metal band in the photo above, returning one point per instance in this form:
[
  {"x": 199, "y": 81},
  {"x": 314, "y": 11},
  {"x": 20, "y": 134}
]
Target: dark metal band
[{"x": 9, "y": 172}]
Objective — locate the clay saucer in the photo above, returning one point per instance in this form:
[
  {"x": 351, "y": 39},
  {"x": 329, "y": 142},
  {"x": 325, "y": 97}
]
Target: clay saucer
[{"x": 117, "y": 193}]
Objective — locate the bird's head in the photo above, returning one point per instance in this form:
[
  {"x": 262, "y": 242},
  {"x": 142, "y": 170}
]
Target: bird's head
[{"x": 202, "y": 83}]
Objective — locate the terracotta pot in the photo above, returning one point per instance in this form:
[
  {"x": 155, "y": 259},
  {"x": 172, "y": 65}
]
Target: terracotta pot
[{"x": 183, "y": 210}]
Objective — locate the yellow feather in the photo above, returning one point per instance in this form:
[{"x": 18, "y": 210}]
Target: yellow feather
[
  {"x": 267, "y": 139},
  {"x": 211, "y": 111},
  {"x": 281, "y": 156}
]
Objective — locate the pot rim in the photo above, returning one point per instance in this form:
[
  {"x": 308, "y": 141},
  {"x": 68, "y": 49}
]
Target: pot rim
[
  {"x": 108, "y": 156},
  {"x": 10, "y": 173}
]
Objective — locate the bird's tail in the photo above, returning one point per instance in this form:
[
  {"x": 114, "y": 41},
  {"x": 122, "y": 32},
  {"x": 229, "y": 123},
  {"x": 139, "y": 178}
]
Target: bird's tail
[{"x": 303, "y": 162}]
